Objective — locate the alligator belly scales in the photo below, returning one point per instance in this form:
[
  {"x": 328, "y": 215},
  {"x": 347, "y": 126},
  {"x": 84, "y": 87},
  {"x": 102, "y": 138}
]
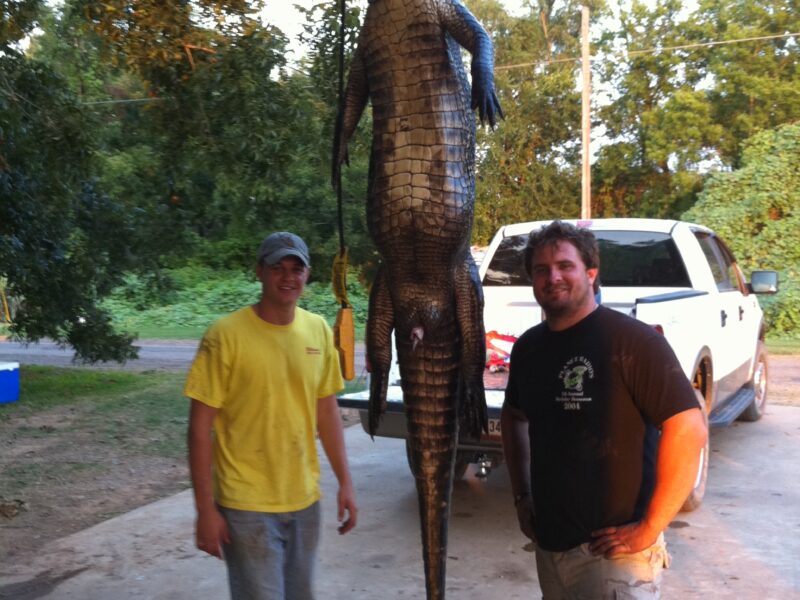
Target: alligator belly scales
[{"x": 420, "y": 206}]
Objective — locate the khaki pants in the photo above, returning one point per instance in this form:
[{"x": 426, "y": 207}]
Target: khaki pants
[{"x": 578, "y": 575}]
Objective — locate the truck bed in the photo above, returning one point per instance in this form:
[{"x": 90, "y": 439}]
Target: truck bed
[{"x": 394, "y": 422}]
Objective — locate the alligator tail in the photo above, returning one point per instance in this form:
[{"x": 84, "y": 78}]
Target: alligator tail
[{"x": 429, "y": 378}]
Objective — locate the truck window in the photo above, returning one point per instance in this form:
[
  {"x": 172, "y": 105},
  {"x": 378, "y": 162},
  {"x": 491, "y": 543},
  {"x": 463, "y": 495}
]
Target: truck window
[
  {"x": 720, "y": 260},
  {"x": 506, "y": 267},
  {"x": 627, "y": 259}
]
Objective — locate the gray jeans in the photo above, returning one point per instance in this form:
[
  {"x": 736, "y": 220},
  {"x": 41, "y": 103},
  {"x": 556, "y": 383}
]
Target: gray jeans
[{"x": 272, "y": 555}]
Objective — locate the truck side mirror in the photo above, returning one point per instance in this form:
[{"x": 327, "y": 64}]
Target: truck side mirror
[{"x": 764, "y": 282}]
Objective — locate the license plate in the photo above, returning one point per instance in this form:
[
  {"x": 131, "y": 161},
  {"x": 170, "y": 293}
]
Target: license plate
[{"x": 494, "y": 429}]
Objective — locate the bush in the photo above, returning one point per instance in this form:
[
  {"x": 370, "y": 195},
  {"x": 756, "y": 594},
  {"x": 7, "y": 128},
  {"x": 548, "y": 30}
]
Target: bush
[
  {"x": 756, "y": 210},
  {"x": 200, "y": 295},
  {"x": 782, "y": 311}
]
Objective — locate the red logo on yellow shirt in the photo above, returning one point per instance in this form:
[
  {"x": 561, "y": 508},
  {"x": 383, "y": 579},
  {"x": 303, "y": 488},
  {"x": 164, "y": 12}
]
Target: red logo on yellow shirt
[{"x": 310, "y": 350}]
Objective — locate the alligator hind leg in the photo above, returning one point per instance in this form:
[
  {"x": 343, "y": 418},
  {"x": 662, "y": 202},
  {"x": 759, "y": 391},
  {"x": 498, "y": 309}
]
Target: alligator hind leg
[
  {"x": 469, "y": 312},
  {"x": 380, "y": 322}
]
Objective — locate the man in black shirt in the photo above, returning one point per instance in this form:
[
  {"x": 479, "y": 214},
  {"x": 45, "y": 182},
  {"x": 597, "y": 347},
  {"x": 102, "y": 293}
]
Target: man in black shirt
[{"x": 589, "y": 390}]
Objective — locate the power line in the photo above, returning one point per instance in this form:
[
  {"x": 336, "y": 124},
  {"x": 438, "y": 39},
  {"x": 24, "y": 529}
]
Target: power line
[
  {"x": 528, "y": 64},
  {"x": 648, "y": 51},
  {"x": 126, "y": 101}
]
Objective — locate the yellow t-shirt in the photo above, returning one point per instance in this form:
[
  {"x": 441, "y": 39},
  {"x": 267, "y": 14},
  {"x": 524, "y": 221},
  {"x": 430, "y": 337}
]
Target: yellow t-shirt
[{"x": 265, "y": 380}]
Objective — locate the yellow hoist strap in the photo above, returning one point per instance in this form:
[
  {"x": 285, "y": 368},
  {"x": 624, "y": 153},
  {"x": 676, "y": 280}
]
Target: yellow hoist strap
[
  {"x": 339, "y": 277},
  {"x": 344, "y": 336},
  {"x": 345, "y": 340}
]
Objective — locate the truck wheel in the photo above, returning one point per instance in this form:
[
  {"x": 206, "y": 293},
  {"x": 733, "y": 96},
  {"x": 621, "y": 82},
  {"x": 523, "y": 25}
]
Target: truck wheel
[
  {"x": 759, "y": 385},
  {"x": 460, "y": 469},
  {"x": 695, "y": 498}
]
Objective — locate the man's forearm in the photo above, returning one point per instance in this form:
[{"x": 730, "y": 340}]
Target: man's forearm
[
  {"x": 200, "y": 458},
  {"x": 682, "y": 438},
  {"x": 516, "y": 448},
  {"x": 331, "y": 434}
]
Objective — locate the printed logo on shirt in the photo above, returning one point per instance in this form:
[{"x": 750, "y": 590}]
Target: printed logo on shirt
[
  {"x": 573, "y": 375},
  {"x": 310, "y": 350}
]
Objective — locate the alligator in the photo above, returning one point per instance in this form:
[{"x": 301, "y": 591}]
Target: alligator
[{"x": 420, "y": 204}]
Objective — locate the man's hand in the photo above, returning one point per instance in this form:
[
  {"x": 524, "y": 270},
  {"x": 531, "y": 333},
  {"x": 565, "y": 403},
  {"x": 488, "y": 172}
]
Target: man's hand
[
  {"x": 682, "y": 438},
  {"x": 211, "y": 532},
  {"x": 525, "y": 517},
  {"x": 625, "y": 539},
  {"x": 346, "y": 502}
]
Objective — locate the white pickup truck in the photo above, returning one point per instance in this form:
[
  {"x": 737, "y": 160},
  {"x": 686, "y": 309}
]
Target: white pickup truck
[{"x": 678, "y": 277}]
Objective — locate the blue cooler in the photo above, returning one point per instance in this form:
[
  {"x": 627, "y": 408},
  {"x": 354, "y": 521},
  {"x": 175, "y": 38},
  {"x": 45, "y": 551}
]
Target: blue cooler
[{"x": 9, "y": 382}]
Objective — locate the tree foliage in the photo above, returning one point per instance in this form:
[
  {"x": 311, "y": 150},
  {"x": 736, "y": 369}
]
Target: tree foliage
[
  {"x": 756, "y": 209},
  {"x": 137, "y": 137},
  {"x": 17, "y": 18},
  {"x": 530, "y": 165},
  {"x": 755, "y": 84},
  {"x": 62, "y": 242},
  {"x": 165, "y": 41},
  {"x": 681, "y": 104}
]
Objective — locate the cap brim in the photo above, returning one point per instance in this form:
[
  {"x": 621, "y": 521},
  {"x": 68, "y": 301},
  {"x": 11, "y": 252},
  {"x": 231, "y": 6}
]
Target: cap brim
[{"x": 279, "y": 255}]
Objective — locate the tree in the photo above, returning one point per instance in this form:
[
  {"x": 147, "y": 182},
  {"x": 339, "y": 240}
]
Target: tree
[
  {"x": 754, "y": 85},
  {"x": 165, "y": 41},
  {"x": 130, "y": 154},
  {"x": 17, "y": 18},
  {"x": 321, "y": 34},
  {"x": 529, "y": 167},
  {"x": 659, "y": 125},
  {"x": 756, "y": 209},
  {"x": 62, "y": 242},
  {"x": 682, "y": 104}
]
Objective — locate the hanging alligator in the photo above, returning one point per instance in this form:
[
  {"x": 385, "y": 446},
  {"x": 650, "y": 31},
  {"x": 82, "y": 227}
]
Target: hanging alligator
[{"x": 420, "y": 205}]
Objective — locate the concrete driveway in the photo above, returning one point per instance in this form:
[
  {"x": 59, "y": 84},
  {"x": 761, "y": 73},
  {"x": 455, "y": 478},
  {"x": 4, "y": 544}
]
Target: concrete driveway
[{"x": 743, "y": 543}]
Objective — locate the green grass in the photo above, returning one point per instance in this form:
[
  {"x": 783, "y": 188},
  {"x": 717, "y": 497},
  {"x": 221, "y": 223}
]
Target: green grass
[
  {"x": 783, "y": 346},
  {"x": 358, "y": 384},
  {"x": 143, "y": 412},
  {"x": 46, "y": 387},
  {"x": 167, "y": 332}
]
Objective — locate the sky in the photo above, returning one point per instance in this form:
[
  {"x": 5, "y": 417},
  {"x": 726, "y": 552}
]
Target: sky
[{"x": 282, "y": 14}]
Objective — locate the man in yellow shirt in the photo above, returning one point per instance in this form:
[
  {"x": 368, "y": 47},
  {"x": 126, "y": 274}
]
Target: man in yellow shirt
[{"x": 262, "y": 384}]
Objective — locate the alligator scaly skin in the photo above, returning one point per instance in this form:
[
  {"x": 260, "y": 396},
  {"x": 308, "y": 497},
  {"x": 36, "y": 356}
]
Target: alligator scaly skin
[{"x": 419, "y": 213}]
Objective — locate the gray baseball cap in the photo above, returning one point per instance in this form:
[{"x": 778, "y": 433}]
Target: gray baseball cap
[{"x": 277, "y": 246}]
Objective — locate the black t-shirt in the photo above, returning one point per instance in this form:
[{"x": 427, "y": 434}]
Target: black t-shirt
[{"x": 594, "y": 395}]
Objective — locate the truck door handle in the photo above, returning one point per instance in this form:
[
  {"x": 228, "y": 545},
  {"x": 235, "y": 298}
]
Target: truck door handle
[
  {"x": 723, "y": 317},
  {"x": 741, "y": 313}
]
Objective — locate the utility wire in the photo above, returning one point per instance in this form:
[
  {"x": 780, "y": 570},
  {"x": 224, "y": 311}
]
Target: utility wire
[
  {"x": 535, "y": 63},
  {"x": 648, "y": 51},
  {"x": 127, "y": 101}
]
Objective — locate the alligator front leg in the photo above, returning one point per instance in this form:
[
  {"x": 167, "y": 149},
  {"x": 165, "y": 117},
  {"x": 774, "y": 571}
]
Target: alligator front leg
[{"x": 379, "y": 347}]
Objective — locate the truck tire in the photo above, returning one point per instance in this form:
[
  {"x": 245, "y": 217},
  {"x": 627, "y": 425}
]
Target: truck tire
[
  {"x": 758, "y": 383},
  {"x": 695, "y": 498}
]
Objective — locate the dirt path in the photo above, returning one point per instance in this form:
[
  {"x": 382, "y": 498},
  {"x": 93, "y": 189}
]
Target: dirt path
[
  {"x": 65, "y": 499},
  {"x": 784, "y": 379}
]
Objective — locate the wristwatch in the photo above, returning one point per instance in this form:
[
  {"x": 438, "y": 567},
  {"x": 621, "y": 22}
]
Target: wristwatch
[{"x": 519, "y": 497}]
